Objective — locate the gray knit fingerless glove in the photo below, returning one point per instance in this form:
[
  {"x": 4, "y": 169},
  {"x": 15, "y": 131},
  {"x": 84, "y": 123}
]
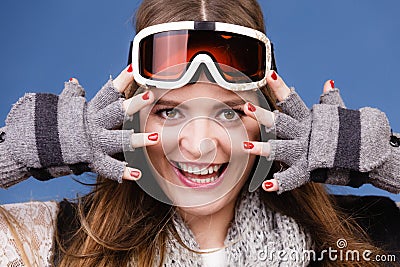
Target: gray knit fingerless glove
[
  {"x": 47, "y": 135},
  {"x": 333, "y": 144}
]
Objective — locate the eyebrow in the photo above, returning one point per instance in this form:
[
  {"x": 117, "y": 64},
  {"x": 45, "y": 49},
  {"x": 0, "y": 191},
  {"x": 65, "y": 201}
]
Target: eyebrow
[
  {"x": 234, "y": 103},
  {"x": 171, "y": 103},
  {"x": 229, "y": 103}
]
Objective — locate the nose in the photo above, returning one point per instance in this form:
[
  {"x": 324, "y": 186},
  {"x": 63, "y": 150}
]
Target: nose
[{"x": 198, "y": 141}]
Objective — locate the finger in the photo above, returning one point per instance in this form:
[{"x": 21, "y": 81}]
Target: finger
[
  {"x": 131, "y": 174},
  {"x": 116, "y": 141},
  {"x": 124, "y": 79},
  {"x": 108, "y": 167},
  {"x": 292, "y": 178},
  {"x": 263, "y": 116},
  {"x": 287, "y": 151},
  {"x": 289, "y": 101},
  {"x": 107, "y": 95},
  {"x": 111, "y": 116},
  {"x": 73, "y": 80},
  {"x": 258, "y": 148},
  {"x": 287, "y": 127},
  {"x": 72, "y": 88},
  {"x": 329, "y": 86},
  {"x": 331, "y": 95},
  {"x": 136, "y": 103},
  {"x": 144, "y": 139},
  {"x": 270, "y": 185},
  {"x": 277, "y": 85},
  {"x": 294, "y": 106}
]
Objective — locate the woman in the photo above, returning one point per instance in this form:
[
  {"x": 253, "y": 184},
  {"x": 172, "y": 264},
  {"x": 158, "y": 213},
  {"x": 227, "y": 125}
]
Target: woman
[{"x": 234, "y": 224}]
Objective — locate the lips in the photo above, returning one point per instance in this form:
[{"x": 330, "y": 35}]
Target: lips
[{"x": 203, "y": 176}]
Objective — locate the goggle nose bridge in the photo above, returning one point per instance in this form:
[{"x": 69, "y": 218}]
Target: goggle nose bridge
[
  {"x": 202, "y": 68},
  {"x": 203, "y": 62},
  {"x": 202, "y": 57}
]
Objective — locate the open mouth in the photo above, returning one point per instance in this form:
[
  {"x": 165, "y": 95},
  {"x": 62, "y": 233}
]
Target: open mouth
[{"x": 199, "y": 175}]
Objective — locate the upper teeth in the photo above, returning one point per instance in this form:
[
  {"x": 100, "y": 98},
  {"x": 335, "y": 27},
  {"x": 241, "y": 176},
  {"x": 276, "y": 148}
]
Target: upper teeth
[{"x": 197, "y": 170}]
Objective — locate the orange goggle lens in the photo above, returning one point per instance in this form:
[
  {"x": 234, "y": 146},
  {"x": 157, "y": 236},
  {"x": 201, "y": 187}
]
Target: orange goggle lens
[{"x": 165, "y": 56}]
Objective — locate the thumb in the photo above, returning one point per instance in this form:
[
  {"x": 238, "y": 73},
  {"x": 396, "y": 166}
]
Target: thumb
[
  {"x": 72, "y": 88},
  {"x": 331, "y": 95}
]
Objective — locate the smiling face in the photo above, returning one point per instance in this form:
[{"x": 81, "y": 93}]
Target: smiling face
[{"x": 200, "y": 163}]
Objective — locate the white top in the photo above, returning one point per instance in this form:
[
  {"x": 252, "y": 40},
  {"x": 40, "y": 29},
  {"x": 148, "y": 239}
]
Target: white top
[{"x": 216, "y": 258}]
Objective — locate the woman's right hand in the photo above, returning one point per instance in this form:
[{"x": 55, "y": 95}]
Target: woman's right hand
[
  {"x": 121, "y": 140},
  {"x": 327, "y": 143},
  {"x": 48, "y": 135}
]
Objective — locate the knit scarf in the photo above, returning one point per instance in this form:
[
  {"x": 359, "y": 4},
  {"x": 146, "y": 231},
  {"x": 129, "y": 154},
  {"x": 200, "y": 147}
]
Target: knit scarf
[{"x": 256, "y": 237}]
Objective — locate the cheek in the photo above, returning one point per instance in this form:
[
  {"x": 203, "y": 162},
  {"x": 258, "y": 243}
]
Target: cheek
[
  {"x": 168, "y": 147},
  {"x": 252, "y": 128},
  {"x": 155, "y": 153},
  {"x": 150, "y": 124}
]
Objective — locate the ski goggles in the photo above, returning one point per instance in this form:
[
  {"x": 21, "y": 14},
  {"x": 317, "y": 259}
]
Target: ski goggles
[{"x": 171, "y": 55}]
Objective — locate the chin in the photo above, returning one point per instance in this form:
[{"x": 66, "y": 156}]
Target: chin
[{"x": 213, "y": 207}]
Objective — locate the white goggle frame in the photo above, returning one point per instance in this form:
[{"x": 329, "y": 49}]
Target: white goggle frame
[{"x": 201, "y": 58}]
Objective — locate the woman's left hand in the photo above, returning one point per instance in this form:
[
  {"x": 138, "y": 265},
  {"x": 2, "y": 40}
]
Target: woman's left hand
[{"x": 328, "y": 136}]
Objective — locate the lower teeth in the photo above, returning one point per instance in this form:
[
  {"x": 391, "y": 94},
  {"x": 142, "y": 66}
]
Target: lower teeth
[{"x": 203, "y": 181}]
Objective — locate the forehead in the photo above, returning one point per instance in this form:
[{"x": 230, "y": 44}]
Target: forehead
[{"x": 203, "y": 90}]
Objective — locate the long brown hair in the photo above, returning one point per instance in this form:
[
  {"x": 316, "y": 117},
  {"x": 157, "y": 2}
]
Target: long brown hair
[{"x": 119, "y": 223}]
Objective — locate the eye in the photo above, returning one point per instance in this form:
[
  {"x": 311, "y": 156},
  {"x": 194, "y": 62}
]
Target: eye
[
  {"x": 171, "y": 113},
  {"x": 228, "y": 115}
]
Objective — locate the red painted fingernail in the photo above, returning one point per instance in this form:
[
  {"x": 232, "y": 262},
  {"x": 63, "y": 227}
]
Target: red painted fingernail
[
  {"x": 153, "y": 137},
  {"x": 135, "y": 174},
  {"x": 268, "y": 185},
  {"x": 250, "y": 107},
  {"x": 332, "y": 83},
  {"x": 274, "y": 76},
  {"x": 248, "y": 145},
  {"x": 146, "y": 96},
  {"x": 130, "y": 69}
]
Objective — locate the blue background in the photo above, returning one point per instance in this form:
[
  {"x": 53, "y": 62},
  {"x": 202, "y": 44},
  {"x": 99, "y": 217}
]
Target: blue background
[{"x": 45, "y": 42}]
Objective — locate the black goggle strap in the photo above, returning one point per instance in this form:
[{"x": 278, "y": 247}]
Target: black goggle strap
[
  {"x": 130, "y": 53},
  {"x": 273, "y": 64}
]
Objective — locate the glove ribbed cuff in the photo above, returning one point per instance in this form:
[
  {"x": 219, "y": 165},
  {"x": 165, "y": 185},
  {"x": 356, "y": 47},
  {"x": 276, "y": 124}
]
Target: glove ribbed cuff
[
  {"x": 387, "y": 176},
  {"x": 11, "y": 172}
]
